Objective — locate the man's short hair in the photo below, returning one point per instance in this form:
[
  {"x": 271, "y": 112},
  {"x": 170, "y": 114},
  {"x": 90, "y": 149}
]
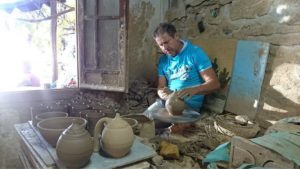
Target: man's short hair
[{"x": 164, "y": 28}]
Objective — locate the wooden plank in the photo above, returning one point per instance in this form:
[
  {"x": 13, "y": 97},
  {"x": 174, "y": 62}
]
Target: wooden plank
[
  {"x": 223, "y": 50},
  {"x": 140, "y": 165},
  {"x": 24, "y": 160},
  {"x": 139, "y": 152},
  {"x": 33, "y": 158},
  {"x": 247, "y": 77},
  {"x": 29, "y": 136}
]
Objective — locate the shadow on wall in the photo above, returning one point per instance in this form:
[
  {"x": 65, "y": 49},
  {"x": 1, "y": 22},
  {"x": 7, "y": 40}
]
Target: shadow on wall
[
  {"x": 280, "y": 96},
  {"x": 271, "y": 107}
]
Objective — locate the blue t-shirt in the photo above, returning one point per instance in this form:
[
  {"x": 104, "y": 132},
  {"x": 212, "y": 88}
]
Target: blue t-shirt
[{"x": 183, "y": 70}]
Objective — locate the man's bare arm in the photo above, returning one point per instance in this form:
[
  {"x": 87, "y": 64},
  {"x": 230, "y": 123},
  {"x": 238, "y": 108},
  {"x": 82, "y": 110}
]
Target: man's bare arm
[
  {"x": 211, "y": 83},
  {"x": 162, "y": 90}
]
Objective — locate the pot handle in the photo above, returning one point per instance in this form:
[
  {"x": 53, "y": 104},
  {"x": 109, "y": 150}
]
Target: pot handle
[{"x": 97, "y": 134}]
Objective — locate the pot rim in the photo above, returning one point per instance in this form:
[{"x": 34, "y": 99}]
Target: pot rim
[
  {"x": 38, "y": 116},
  {"x": 58, "y": 118}
]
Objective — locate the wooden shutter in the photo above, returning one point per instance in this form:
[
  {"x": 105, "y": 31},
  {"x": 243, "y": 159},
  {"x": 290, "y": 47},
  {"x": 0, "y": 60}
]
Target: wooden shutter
[{"x": 102, "y": 34}]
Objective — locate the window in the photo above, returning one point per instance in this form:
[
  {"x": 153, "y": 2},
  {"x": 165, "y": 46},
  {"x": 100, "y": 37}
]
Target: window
[
  {"x": 38, "y": 47},
  {"x": 97, "y": 43}
]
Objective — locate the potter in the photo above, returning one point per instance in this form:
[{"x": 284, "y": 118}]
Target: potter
[{"x": 183, "y": 67}]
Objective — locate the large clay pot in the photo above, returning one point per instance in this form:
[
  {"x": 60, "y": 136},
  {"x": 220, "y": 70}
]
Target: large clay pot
[
  {"x": 47, "y": 115},
  {"x": 52, "y": 128},
  {"x": 74, "y": 146},
  {"x": 174, "y": 104},
  {"x": 116, "y": 138}
]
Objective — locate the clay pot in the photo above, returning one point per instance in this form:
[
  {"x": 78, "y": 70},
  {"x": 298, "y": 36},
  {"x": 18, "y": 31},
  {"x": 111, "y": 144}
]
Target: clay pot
[
  {"x": 132, "y": 122},
  {"x": 146, "y": 126},
  {"x": 75, "y": 109},
  {"x": 116, "y": 138},
  {"x": 48, "y": 115},
  {"x": 93, "y": 117},
  {"x": 147, "y": 129},
  {"x": 52, "y": 128},
  {"x": 74, "y": 146},
  {"x": 175, "y": 105}
]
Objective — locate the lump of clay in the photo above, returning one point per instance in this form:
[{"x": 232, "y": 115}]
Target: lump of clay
[{"x": 175, "y": 105}]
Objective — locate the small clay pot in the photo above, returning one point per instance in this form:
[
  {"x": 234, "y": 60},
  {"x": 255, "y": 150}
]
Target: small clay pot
[
  {"x": 93, "y": 117},
  {"x": 175, "y": 105}
]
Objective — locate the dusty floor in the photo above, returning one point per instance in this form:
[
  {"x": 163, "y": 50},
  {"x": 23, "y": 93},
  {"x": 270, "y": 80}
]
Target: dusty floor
[{"x": 195, "y": 143}]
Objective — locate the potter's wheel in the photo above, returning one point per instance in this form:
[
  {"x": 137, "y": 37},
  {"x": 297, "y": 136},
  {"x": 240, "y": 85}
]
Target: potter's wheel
[{"x": 188, "y": 116}]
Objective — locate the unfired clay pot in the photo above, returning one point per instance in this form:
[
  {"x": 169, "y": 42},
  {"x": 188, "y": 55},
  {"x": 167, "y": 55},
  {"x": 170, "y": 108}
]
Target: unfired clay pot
[
  {"x": 47, "y": 115},
  {"x": 74, "y": 146},
  {"x": 175, "y": 105},
  {"x": 117, "y": 136},
  {"x": 145, "y": 127},
  {"x": 93, "y": 118},
  {"x": 132, "y": 122},
  {"x": 52, "y": 128}
]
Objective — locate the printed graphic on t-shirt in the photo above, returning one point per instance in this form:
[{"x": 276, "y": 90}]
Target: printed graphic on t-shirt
[{"x": 182, "y": 73}]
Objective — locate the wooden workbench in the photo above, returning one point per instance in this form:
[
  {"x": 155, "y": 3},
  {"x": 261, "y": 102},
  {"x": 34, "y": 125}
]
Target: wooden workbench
[{"x": 39, "y": 154}]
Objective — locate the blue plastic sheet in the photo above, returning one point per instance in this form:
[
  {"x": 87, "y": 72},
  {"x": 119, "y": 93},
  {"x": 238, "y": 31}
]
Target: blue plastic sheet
[
  {"x": 286, "y": 144},
  {"x": 221, "y": 153}
]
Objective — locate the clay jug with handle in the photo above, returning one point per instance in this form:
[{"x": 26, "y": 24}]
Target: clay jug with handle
[
  {"x": 74, "y": 146},
  {"x": 116, "y": 138}
]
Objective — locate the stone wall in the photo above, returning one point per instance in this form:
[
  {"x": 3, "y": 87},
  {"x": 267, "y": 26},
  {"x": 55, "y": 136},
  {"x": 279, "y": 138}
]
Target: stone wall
[
  {"x": 144, "y": 15},
  {"x": 273, "y": 21}
]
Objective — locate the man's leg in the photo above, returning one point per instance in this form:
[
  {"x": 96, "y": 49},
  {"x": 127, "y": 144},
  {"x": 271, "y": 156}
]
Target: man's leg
[
  {"x": 158, "y": 104},
  {"x": 180, "y": 128}
]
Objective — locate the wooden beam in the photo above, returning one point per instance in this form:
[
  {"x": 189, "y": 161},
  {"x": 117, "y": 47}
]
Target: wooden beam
[{"x": 53, "y": 6}]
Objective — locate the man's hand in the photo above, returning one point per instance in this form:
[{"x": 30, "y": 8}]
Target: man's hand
[
  {"x": 164, "y": 93},
  {"x": 187, "y": 92}
]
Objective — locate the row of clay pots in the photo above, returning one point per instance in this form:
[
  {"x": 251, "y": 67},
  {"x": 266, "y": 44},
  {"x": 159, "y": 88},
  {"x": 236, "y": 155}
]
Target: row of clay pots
[
  {"x": 51, "y": 129},
  {"x": 74, "y": 145}
]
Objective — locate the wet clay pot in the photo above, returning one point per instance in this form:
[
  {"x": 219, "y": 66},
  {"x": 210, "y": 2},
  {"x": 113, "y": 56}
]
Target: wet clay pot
[
  {"x": 145, "y": 127},
  {"x": 116, "y": 138},
  {"x": 175, "y": 105},
  {"x": 47, "y": 115},
  {"x": 74, "y": 146},
  {"x": 52, "y": 128},
  {"x": 93, "y": 118}
]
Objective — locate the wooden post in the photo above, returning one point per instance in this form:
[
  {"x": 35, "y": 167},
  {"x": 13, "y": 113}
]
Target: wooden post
[{"x": 53, "y": 6}]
